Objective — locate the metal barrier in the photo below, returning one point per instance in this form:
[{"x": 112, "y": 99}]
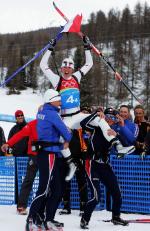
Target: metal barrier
[
  {"x": 133, "y": 175},
  {"x": 132, "y": 172},
  {"x": 11, "y": 118},
  {"x": 21, "y": 169},
  {"x": 7, "y": 180}
]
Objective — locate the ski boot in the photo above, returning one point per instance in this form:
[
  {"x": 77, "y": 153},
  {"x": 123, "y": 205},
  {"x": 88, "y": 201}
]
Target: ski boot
[
  {"x": 72, "y": 168},
  {"x": 65, "y": 212},
  {"x": 36, "y": 227},
  {"x": 53, "y": 226},
  {"x": 22, "y": 211},
  {"x": 116, "y": 220},
  {"x": 34, "y": 224},
  {"x": 122, "y": 151},
  {"x": 29, "y": 223},
  {"x": 84, "y": 224},
  {"x": 57, "y": 223}
]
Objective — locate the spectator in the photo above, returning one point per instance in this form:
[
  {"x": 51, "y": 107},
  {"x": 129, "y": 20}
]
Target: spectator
[
  {"x": 27, "y": 131},
  {"x": 143, "y": 125},
  {"x": 20, "y": 148},
  {"x": 2, "y": 140},
  {"x": 146, "y": 145},
  {"x": 125, "y": 127}
]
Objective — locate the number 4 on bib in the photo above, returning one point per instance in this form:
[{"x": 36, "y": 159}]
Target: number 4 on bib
[{"x": 72, "y": 100}]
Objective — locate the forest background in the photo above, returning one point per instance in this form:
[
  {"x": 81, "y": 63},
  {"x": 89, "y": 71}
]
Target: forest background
[{"x": 122, "y": 36}]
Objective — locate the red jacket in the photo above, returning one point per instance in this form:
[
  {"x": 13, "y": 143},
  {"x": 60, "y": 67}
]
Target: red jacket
[{"x": 30, "y": 131}]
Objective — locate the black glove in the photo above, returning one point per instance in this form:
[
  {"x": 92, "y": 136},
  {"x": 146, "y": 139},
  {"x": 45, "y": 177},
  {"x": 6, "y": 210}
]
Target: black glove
[
  {"x": 87, "y": 43},
  {"x": 120, "y": 156},
  {"x": 144, "y": 152},
  {"x": 52, "y": 43},
  {"x": 143, "y": 155}
]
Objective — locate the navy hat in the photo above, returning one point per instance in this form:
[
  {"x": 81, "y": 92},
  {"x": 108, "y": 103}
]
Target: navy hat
[{"x": 111, "y": 111}]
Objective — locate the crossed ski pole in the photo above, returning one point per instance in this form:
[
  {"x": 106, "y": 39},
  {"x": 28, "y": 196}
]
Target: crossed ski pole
[
  {"x": 58, "y": 37},
  {"x": 99, "y": 53}
]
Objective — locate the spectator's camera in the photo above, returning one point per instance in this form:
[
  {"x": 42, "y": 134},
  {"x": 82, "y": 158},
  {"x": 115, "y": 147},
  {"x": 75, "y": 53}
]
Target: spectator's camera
[
  {"x": 111, "y": 113},
  {"x": 115, "y": 112}
]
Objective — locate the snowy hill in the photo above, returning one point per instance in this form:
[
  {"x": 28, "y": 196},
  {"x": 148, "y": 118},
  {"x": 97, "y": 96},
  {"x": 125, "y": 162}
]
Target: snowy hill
[{"x": 26, "y": 101}]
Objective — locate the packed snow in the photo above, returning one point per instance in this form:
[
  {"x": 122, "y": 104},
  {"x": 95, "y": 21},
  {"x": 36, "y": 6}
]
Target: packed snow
[{"x": 9, "y": 219}]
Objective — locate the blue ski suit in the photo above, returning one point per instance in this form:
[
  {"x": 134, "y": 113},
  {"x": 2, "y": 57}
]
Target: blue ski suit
[{"x": 50, "y": 128}]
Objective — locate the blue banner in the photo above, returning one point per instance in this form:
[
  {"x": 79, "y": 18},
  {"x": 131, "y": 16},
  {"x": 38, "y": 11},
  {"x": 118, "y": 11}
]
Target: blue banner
[{"x": 11, "y": 118}]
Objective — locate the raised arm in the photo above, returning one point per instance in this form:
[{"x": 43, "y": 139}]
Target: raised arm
[
  {"x": 53, "y": 78},
  {"x": 88, "y": 60}
]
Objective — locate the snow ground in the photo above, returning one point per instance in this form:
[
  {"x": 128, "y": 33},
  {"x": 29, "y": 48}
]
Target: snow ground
[{"x": 9, "y": 220}]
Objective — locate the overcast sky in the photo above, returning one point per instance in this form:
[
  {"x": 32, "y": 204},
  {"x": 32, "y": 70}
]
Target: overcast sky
[{"x": 26, "y": 15}]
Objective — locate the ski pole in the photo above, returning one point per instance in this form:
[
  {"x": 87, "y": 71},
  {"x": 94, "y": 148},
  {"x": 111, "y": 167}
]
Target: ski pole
[
  {"x": 96, "y": 51},
  {"x": 58, "y": 37}
]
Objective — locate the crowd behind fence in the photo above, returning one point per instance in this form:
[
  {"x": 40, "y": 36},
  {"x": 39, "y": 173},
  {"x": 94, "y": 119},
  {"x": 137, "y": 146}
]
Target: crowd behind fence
[{"x": 133, "y": 176}]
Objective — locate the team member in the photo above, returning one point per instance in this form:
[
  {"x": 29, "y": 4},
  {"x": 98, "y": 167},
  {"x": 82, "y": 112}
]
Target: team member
[
  {"x": 101, "y": 171},
  {"x": 79, "y": 153},
  {"x": 143, "y": 125},
  {"x": 68, "y": 86},
  {"x": 50, "y": 128}
]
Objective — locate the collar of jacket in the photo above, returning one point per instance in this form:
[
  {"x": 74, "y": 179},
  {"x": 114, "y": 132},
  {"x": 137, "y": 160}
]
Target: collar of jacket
[{"x": 51, "y": 107}]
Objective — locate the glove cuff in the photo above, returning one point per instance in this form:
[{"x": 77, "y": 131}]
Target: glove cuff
[
  {"x": 87, "y": 47},
  {"x": 51, "y": 48}
]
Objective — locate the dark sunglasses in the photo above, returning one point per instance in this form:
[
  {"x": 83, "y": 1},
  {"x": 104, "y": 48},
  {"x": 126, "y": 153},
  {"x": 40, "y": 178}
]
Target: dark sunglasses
[{"x": 19, "y": 115}]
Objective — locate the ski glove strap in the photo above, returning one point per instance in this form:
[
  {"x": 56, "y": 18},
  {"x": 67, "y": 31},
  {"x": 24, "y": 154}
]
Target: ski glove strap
[{"x": 52, "y": 43}]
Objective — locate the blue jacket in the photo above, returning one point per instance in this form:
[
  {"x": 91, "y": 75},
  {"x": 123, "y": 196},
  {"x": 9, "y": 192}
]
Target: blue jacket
[
  {"x": 128, "y": 133},
  {"x": 99, "y": 145},
  {"x": 50, "y": 127}
]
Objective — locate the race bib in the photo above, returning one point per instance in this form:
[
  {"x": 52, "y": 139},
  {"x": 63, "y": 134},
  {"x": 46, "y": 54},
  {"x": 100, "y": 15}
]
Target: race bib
[{"x": 70, "y": 98}]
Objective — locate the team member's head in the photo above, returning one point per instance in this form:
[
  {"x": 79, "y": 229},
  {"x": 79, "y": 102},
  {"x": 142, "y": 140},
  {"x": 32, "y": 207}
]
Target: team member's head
[
  {"x": 53, "y": 97},
  {"x": 67, "y": 67}
]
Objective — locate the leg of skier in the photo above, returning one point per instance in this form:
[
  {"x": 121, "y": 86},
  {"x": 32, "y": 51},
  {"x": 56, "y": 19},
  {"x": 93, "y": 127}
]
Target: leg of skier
[
  {"x": 72, "y": 166},
  {"x": 73, "y": 122},
  {"x": 114, "y": 140}
]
